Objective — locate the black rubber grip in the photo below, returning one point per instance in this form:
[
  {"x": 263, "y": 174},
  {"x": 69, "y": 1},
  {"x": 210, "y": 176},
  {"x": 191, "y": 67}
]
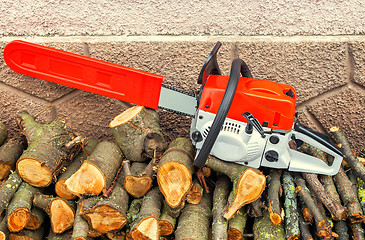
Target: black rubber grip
[{"x": 238, "y": 66}]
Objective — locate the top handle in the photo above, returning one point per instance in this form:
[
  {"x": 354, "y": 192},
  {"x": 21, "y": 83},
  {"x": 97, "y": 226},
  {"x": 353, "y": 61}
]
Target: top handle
[{"x": 238, "y": 67}]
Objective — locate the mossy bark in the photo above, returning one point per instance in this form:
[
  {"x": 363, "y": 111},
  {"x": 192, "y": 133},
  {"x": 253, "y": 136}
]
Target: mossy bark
[
  {"x": 97, "y": 172},
  {"x": 195, "y": 220},
  {"x": 42, "y": 161},
  {"x": 263, "y": 228},
  {"x": 9, "y": 154},
  {"x": 3, "y": 133},
  {"x": 61, "y": 212},
  {"x": 18, "y": 211},
  {"x": 137, "y": 132},
  {"x": 248, "y": 183},
  {"x": 8, "y": 190},
  {"x": 106, "y": 214},
  {"x": 60, "y": 187},
  {"x": 174, "y": 175},
  {"x": 220, "y": 198},
  {"x": 149, "y": 212},
  {"x": 291, "y": 207}
]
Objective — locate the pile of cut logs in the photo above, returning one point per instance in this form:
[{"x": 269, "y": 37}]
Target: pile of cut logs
[{"x": 58, "y": 185}]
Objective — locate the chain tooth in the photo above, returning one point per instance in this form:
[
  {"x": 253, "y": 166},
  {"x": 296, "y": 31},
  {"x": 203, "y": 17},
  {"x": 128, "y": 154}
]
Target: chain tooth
[{"x": 178, "y": 90}]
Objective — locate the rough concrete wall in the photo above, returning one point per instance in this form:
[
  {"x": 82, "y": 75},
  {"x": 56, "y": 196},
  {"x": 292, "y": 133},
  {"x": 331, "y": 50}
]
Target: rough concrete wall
[{"x": 170, "y": 38}]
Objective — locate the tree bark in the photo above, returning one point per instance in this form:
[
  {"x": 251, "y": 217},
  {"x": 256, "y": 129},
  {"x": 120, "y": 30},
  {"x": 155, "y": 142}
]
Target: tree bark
[
  {"x": 42, "y": 161},
  {"x": 3, "y": 133},
  {"x": 273, "y": 195},
  {"x": 61, "y": 212},
  {"x": 220, "y": 197},
  {"x": 263, "y": 228},
  {"x": 304, "y": 229},
  {"x": 349, "y": 156},
  {"x": 60, "y": 187},
  {"x": 18, "y": 211},
  {"x": 4, "y": 231},
  {"x": 166, "y": 222},
  {"x": 61, "y": 236},
  {"x": 340, "y": 227},
  {"x": 146, "y": 226},
  {"x": 80, "y": 226},
  {"x": 323, "y": 227},
  {"x": 237, "y": 225},
  {"x": 291, "y": 207},
  {"x": 248, "y": 183},
  {"x": 174, "y": 175},
  {"x": 8, "y": 190},
  {"x": 357, "y": 231},
  {"x": 138, "y": 177},
  {"x": 9, "y": 154},
  {"x": 107, "y": 214},
  {"x": 194, "y": 221},
  {"x": 348, "y": 196},
  {"x": 137, "y": 132},
  {"x": 97, "y": 172}
]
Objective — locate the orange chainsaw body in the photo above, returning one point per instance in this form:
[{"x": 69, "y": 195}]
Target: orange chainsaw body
[{"x": 268, "y": 101}]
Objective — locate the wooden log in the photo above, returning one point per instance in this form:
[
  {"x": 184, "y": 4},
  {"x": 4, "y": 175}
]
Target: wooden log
[
  {"x": 59, "y": 236},
  {"x": 332, "y": 204},
  {"x": 360, "y": 193},
  {"x": 8, "y": 190},
  {"x": 120, "y": 235},
  {"x": 3, "y": 133},
  {"x": 174, "y": 175},
  {"x": 9, "y": 154},
  {"x": 351, "y": 159},
  {"x": 60, "y": 211},
  {"x": 146, "y": 226},
  {"x": 323, "y": 227},
  {"x": 358, "y": 232},
  {"x": 97, "y": 172},
  {"x": 237, "y": 225},
  {"x": 137, "y": 132},
  {"x": 138, "y": 177},
  {"x": 4, "y": 231},
  {"x": 195, "y": 194},
  {"x": 341, "y": 228},
  {"x": 263, "y": 228},
  {"x": 27, "y": 234},
  {"x": 304, "y": 228},
  {"x": 37, "y": 217},
  {"x": 292, "y": 229},
  {"x": 106, "y": 214},
  {"x": 60, "y": 187},
  {"x": 273, "y": 195},
  {"x": 256, "y": 208},
  {"x": 166, "y": 222},
  {"x": 248, "y": 183},
  {"x": 42, "y": 161},
  {"x": 194, "y": 221},
  {"x": 348, "y": 196},
  {"x": 133, "y": 210},
  {"x": 80, "y": 227},
  {"x": 220, "y": 198},
  {"x": 18, "y": 211}
]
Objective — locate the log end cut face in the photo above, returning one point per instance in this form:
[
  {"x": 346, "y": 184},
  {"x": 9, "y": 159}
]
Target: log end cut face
[
  {"x": 147, "y": 229},
  {"x": 250, "y": 186},
  {"x": 137, "y": 186},
  {"x": 105, "y": 218},
  {"x": 89, "y": 179},
  {"x": 125, "y": 116},
  {"x": 34, "y": 172},
  {"x": 174, "y": 180},
  {"x": 18, "y": 219},
  {"x": 62, "y": 215},
  {"x": 166, "y": 228},
  {"x": 62, "y": 191}
]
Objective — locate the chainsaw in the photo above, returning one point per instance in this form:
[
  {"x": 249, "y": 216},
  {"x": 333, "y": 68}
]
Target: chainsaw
[{"x": 235, "y": 118}]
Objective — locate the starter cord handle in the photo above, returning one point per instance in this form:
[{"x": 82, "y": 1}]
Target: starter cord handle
[{"x": 238, "y": 67}]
